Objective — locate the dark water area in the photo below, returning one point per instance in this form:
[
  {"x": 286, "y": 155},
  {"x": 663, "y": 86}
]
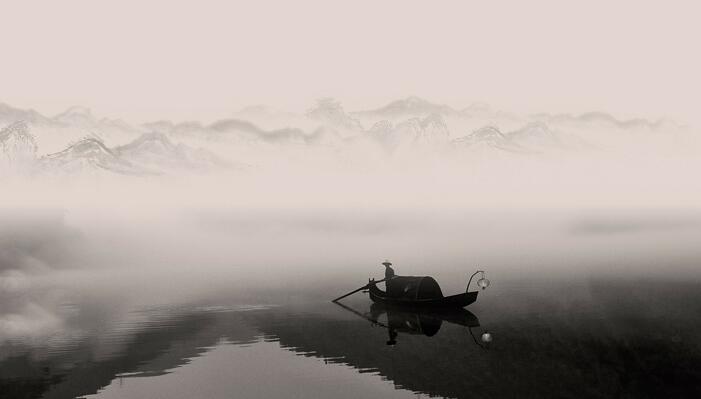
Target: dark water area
[{"x": 581, "y": 338}]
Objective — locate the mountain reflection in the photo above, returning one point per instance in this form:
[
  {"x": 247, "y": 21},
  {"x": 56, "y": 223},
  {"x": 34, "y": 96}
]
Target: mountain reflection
[
  {"x": 605, "y": 339},
  {"x": 147, "y": 349}
]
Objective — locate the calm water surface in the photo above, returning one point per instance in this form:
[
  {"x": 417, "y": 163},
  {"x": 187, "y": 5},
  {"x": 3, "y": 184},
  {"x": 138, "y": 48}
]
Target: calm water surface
[{"x": 581, "y": 337}]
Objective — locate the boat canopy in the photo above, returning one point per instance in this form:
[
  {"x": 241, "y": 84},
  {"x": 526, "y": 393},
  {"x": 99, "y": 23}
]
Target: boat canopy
[{"x": 411, "y": 287}]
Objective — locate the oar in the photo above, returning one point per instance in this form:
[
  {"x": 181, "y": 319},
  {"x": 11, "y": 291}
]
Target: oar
[{"x": 359, "y": 289}]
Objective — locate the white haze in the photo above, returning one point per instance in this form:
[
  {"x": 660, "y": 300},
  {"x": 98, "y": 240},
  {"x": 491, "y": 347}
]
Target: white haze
[{"x": 271, "y": 218}]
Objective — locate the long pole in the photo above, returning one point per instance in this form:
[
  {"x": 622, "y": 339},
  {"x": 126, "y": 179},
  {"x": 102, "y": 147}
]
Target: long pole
[{"x": 359, "y": 289}]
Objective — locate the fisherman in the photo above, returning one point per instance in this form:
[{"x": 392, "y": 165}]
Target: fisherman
[
  {"x": 389, "y": 275},
  {"x": 389, "y": 272}
]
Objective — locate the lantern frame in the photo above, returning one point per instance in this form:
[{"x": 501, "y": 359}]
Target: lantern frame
[{"x": 481, "y": 278}]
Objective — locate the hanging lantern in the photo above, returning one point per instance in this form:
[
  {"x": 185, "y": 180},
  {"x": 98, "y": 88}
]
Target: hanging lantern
[
  {"x": 482, "y": 282},
  {"x": 486, "y": 337}
]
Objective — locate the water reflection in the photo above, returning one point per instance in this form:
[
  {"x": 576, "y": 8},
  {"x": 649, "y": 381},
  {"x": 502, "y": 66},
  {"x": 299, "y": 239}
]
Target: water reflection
[
  {"x": 603, "y": 339},
  {"x": 167, "y": 340},
  {"x": 413, "y": 321},
  {"x": 430, "y": 354}
]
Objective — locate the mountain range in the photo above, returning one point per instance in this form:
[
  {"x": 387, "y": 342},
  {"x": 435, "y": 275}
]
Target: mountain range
[
  {"x": 330, "y": 111},
  {"x": 75, "y": 117},
  {"x": 89, "y": 155},
  {"x": 150, "y": 154},
  {"x": 419, "y": 107},
  {"x": 77, "y": 139},
  {"x": 531, "y": 138}
]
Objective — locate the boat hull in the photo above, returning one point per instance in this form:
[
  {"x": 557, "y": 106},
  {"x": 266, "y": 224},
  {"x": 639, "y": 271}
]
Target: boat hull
[{"x": 453, "y": 301}]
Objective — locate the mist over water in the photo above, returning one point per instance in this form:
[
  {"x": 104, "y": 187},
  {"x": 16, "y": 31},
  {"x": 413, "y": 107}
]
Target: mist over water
[
  {"x": 184, "y": 252},
  {"x": 171, "y": 249}
]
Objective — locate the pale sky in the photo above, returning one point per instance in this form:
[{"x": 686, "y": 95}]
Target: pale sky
[{"x": 145, "y": 60}]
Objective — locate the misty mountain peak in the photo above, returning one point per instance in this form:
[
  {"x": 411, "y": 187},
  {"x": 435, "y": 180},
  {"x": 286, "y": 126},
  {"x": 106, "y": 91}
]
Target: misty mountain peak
[
  {"x": 430, "y": 130},
  {"x": 330, "y": 111},
  {"x": 77, "y": 116},
  {"x": 16, "y": 143},
  {"x": 413, "y": 102},
  {"x": 6, "y": 109},
  {"x": 14, "y": 130},
  {"x": 434, "y": 121},
  {"x": 479, "y": 110},
  {"x": 159, "y": 126},
  {"x": 11, "y": 114},
  {"x": 154, "y": 141},
  {"x": 89, "y": 155},
  {"x": 410, "y": 106},
  {"x": 89, "y": 146},
  {"x": 431, "y": 126},
  {"x": 410, "y": 103},
  {"x": 76, "y": 111},
  {"x": 486, "y": 138},
  {"x": 535, "y": 129},
  {"x": 156, "y": 152}
]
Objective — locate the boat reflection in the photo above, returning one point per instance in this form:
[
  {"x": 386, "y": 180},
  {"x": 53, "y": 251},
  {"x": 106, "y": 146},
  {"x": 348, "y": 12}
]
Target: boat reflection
[
  {"x": 415, "y": 321},
  {"x": 421, "y": 350}
]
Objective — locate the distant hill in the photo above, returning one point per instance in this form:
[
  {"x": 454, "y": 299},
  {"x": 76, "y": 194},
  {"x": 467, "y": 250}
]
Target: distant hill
[
  {"x": 155, "y": 151},
  {"x": 487, "y": 138},
  {"x": 151, "y": 153},
  {"x": 602, "y": 119},
  {"x": 89, "y": 155},
  {"x": 17, "y": 145},
  {"x": 532, "y": 137},
  {"x": 427, "y": 131},
  {"x": 407, "y": 107},
  {"x": 331, "y": 112},
  {"x": 10, "y": 115},
  {"x": 235, "y": 130}
]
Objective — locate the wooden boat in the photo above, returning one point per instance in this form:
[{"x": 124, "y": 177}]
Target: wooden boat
[{"x": 419, "y": 292}]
